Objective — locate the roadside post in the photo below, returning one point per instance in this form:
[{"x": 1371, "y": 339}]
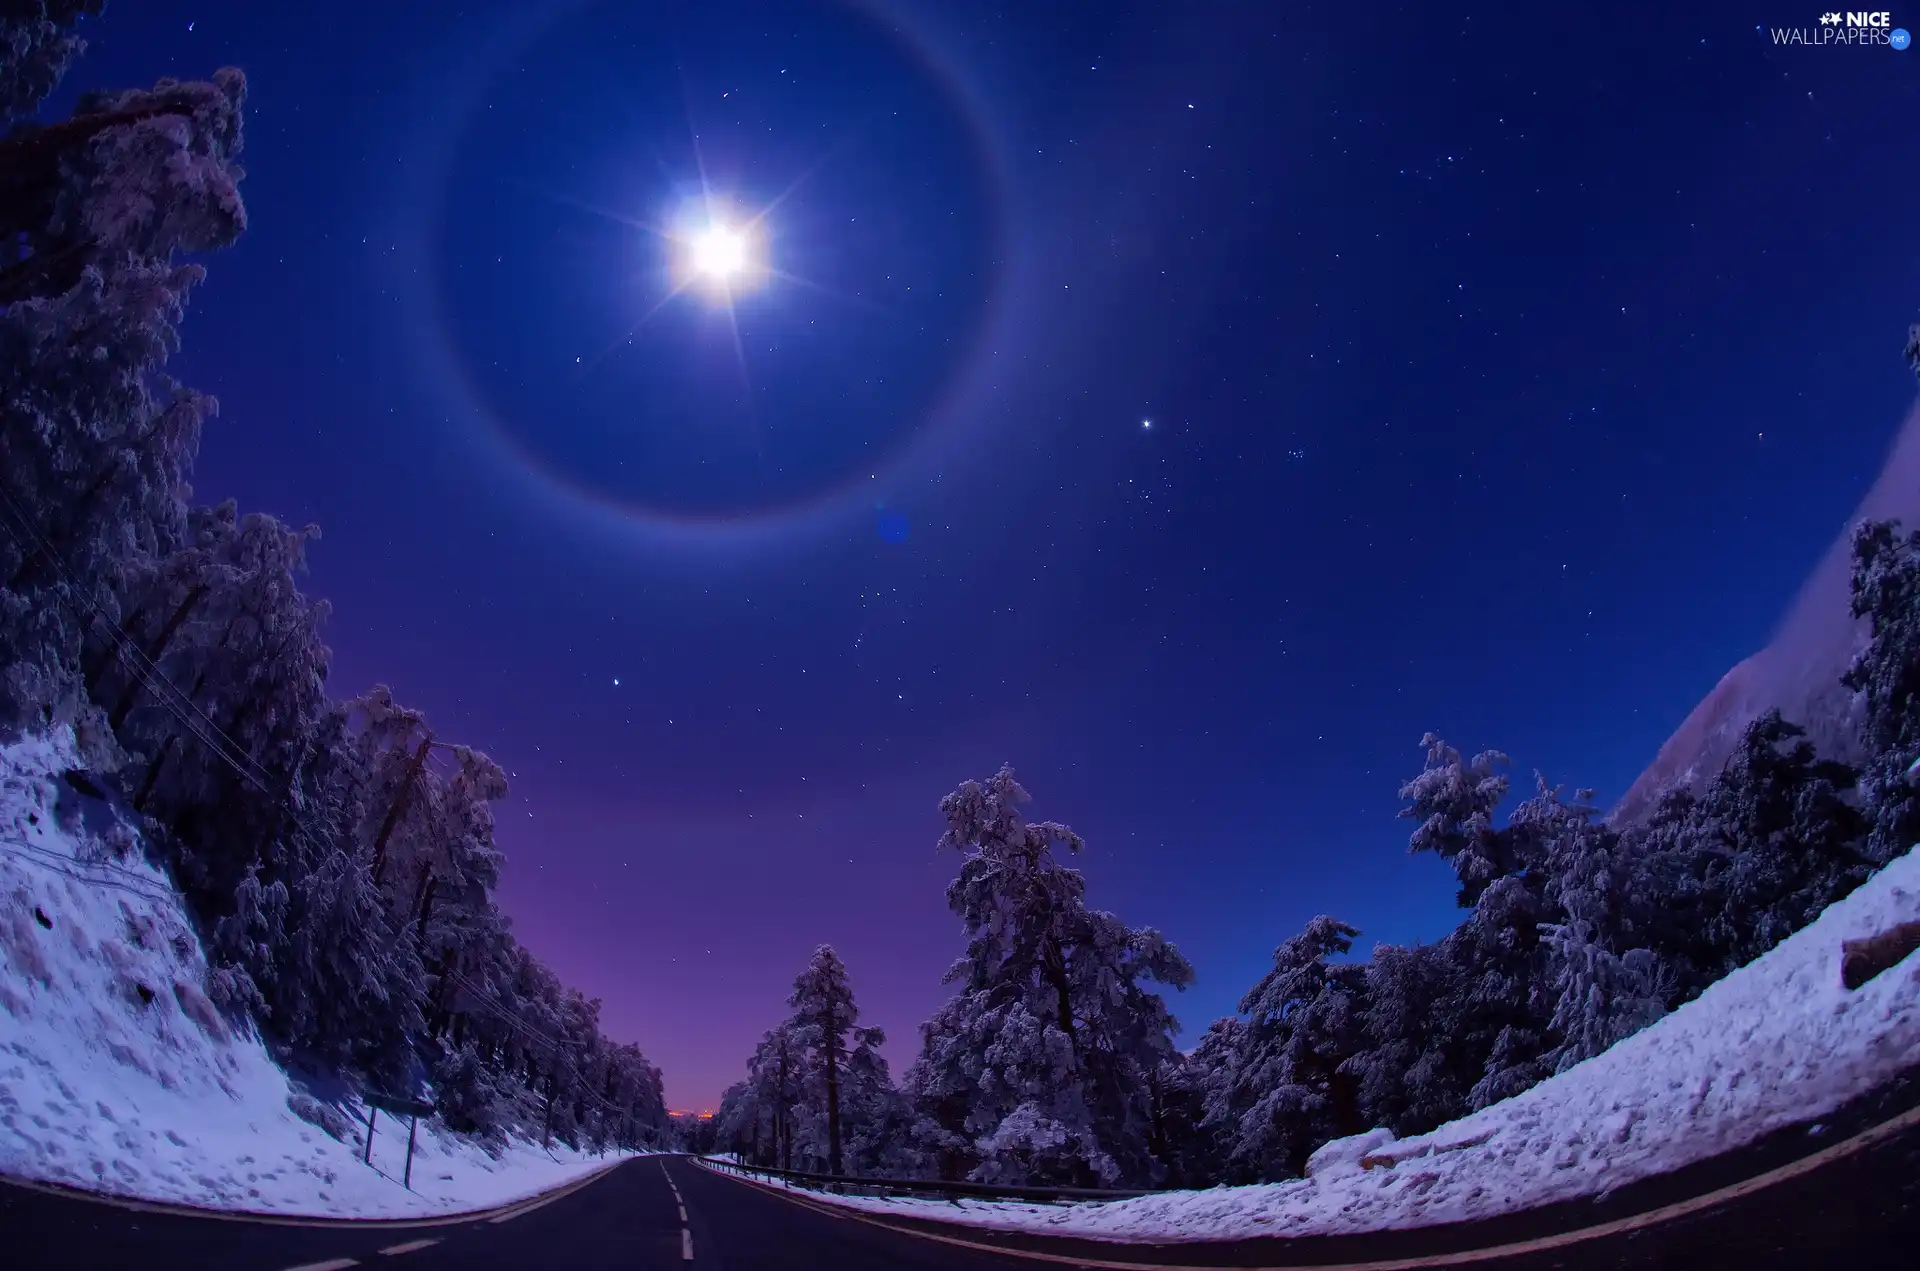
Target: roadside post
[{"x": 397, "y": 1106}]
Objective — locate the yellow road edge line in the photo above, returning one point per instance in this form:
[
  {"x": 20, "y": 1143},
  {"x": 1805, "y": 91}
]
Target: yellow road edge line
[
  {"x": 1651, "y": 1218},
  {"x": 511, "y": 1208}
]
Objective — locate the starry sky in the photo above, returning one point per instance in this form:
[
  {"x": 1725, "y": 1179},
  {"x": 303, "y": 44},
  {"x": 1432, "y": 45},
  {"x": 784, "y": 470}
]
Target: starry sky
[{"x": 1504, "y": 377}]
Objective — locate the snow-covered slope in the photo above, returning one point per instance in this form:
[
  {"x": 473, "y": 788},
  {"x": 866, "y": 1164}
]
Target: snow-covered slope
[
  {"x": 1798, "y": 672},
  {"x": 1776, "y": 1043},
  {"x": 117, "y": 1074}
]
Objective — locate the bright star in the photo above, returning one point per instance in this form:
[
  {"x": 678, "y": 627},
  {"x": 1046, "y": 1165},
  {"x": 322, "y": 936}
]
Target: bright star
[{"x": 1146, "y": 423}]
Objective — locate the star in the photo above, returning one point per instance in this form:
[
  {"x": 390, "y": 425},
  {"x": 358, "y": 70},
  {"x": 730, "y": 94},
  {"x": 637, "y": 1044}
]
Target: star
[{"x": 1146, "y": 423}]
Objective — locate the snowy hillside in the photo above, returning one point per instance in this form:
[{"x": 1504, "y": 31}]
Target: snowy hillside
[
  {"x": 1774, "y": 1044},
  {"x": 116, "y": 1072},
  {"x": 1798, "y": 671}
]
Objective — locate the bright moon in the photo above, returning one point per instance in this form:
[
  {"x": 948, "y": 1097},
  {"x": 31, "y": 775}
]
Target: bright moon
[{"x": 719, "y": 253}]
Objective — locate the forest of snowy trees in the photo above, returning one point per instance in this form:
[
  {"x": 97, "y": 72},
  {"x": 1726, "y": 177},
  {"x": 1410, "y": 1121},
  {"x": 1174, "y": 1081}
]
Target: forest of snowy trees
[
  {"x": 338, "y": 854},
  {"x": 1054, "y": 1063}
]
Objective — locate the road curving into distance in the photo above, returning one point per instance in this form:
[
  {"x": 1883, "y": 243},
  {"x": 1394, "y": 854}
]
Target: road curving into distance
[{"x": 1847, "y": 1197}]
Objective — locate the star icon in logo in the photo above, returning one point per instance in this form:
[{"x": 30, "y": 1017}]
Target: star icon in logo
[{"x": 1829, "y": 19}]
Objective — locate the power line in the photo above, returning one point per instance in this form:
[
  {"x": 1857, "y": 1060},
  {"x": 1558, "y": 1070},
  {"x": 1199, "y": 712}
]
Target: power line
[
  {"x": 169, "y": 695},
  {"x": 142, "y": 667},
  {"x": 59, "y": 864},
  {"x": 557, "y": 1049}
]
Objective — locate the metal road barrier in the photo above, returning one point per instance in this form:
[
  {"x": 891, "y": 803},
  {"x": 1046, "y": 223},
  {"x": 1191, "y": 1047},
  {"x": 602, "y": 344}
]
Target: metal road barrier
[{"x": 939, "y": 1189}]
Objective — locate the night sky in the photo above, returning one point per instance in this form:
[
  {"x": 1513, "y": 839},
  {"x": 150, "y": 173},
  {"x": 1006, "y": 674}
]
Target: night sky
[{"x": 1505, "y": 377}]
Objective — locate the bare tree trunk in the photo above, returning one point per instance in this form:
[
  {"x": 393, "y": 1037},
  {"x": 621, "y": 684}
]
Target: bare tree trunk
[
  {"x": 131, "y": 697},
  {"x": 1054, "y": 962},
  {"x": 424, "y": 904},
  {"x": 153, "y": 774},
  {"x": 399, "y": 805},
  {"x": 833, "y": 1096},
  {"x": 108, "y": 654}
]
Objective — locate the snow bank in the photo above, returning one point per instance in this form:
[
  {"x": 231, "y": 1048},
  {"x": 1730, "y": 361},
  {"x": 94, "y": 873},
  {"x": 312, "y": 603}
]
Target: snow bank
[
  {"x": 116, "y": 1073},
  {"x": 1777, "y": 1043}
]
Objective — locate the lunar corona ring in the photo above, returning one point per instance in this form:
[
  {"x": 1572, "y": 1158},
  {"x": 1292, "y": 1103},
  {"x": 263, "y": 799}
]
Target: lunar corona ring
[{"x": 720, "y": 255}]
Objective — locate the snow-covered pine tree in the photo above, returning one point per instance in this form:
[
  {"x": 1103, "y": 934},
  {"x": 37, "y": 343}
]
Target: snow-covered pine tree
[
  {"x": 1193, "y": 1149},
  {"x": 1414, "y": 1073},
  {"x": 940, "y": 1085},
  {"x": 1454, "y": 800},
  {"x": 1504, "y": 1004},
  {"x": 37, "y": 44},
  {"x": 824, "y": 1015},
  {"x": 1500, "y": 1006},
  {"x": 139, "y": 175},
  {"x": 225, "y": 623},
  {"x": 308, "y": 943},
  {"x": 1886, "y": 674},
  {"x": 1039, "y": 1069},
  {"x": 736, "y": 1123},
  {"x": 1292, "y": 1089},
  {"x": 1779, "y": 841},
  {"x": 1606, "y": 983},
  {"x": 1600, "y": 996},
  {"x": 395, "y": 742},
  {"x": 95, "y": 443},
  {"x": 874, "y": 1115},
  {"x": 777, "y": 1073}
]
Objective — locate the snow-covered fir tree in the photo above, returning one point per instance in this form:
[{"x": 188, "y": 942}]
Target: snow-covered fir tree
[
  {"x": 1040, "y": 1068},
  {"x": 1414, "y": 1071},
  {"x": 1290, "y": 1088},
  {"x": 818, "y": 1094},
  {"x": 1886, "y": 675},
  {"x": 824, "y": 1016},
  {"x": 1607, "y": 983}
]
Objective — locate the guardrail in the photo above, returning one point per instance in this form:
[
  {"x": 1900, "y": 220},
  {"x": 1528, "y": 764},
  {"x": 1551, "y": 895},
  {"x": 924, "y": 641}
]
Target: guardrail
[{"x": 939, "y": 1189}]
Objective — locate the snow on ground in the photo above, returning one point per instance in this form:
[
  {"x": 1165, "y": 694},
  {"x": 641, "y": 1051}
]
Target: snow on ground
[
  {"x": 116, "y": 1073},
  {"x": 1777, "y": 1043}
]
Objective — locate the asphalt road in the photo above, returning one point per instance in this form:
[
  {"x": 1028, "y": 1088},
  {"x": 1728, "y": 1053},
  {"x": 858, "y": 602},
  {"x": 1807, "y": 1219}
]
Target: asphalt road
[
  {"x": 631, "y": 1219},
  {"x": 1860, "y": 1211}
]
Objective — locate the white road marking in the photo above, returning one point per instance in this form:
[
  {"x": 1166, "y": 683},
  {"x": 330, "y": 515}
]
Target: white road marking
[
  {"x": 332, "y": 1264},
  {"x": 686, "y": 1245},
  {"x": 408, "y": 1247},
  {"x": 683, "y": 1213},
  {"x": 547, "y": 1198}
]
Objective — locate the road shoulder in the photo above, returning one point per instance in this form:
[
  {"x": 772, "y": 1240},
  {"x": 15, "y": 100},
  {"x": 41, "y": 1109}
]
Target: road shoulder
[
  {"x": 1887, "y": 1115},
  {"x": 502, "y": 1212}
]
